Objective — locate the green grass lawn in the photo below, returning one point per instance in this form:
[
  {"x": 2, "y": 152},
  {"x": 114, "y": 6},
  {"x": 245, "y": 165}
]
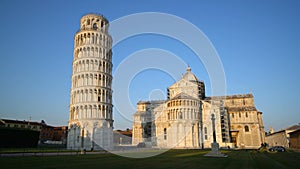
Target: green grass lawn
[{"x": 173, "y": 159}]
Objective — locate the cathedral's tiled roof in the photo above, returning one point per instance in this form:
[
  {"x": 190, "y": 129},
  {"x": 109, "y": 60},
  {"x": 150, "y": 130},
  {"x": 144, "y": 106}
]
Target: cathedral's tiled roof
[
  {"x": 183, "y": 96},
  {"x": 241, "y": 108},
  {"x": 237, "y": 96},
  {"x": 151, "y": 102}
]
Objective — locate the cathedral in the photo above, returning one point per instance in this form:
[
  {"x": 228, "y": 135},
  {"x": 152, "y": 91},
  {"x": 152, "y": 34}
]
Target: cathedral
[{"x": 184, "y": 120}]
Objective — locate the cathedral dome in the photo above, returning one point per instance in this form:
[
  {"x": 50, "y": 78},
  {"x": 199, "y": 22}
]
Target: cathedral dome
[{"x": 189, "y": 76}]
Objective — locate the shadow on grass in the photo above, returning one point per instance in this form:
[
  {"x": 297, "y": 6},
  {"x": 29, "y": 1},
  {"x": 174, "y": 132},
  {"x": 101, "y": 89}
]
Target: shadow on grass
[{"x": 171, "y": 159}]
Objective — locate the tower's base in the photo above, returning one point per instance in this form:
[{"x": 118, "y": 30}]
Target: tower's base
[{"x": 90, "y": 137}]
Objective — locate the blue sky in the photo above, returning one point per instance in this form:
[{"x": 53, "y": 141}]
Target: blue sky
[{"x": 258, "y": 43}]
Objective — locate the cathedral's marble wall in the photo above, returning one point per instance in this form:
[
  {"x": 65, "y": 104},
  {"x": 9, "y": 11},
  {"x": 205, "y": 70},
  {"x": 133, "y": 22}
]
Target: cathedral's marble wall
[
  {"x": 246, "y": 120},
  {"x": 184, "y": 117},
  {"x": 207, "y": 110}
]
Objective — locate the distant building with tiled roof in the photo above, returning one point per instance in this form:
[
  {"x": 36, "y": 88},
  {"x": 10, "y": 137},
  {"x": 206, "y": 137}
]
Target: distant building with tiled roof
[
  {"x": 47, "y": 132},
  {"x": 281, "y": 137}
]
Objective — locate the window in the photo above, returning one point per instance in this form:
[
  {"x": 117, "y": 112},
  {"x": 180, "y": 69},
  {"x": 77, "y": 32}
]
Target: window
[
  {"x": 232, "y": 115},
  {"x": 98, "y": 98},
  {"x": 246, "y": 114},
  {"x": 165, "y": 134},
  {"x": 147, "y": 130},
  {"x": 205, "y": 133},
  {"x": 94, "y": 26},
  {"x": 240, "y": 115},
  {"x": 246, "y": 128}
]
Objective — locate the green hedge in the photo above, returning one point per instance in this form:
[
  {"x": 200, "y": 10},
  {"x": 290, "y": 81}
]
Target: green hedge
[{"x": 18, "y": 138}]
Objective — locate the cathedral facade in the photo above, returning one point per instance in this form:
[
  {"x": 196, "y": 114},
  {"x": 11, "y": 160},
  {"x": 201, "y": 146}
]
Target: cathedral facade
[
  {"x": 184, "y": 119},
  {"x": 90, "y": 122}
]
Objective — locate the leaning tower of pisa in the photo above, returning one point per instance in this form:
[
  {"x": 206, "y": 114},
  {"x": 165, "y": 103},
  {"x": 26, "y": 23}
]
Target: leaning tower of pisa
[{"x": 90, "y": 122}]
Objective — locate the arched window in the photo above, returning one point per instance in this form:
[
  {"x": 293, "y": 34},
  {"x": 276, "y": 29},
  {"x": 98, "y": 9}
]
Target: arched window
[
  {"x": 180, "y": 115},
  {"x": 165, "y": 134},
  {"x": 246, "y": 128},
  {"x": 94, "y": 26}
]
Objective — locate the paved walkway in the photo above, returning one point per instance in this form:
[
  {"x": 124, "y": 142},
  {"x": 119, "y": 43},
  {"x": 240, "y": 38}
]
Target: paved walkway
[
  {"x": 116, "y": 151},
  {"x": 47, "y": 154}
]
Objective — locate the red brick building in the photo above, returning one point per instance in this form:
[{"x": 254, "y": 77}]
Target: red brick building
[
  {"x": 60, "y": 134},
  {"x": 123, "y": 137},
  {"x": 295, "y": 139}
]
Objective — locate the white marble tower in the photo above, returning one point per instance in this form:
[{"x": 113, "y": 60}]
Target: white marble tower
[{"x": 90, "y": 122}]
